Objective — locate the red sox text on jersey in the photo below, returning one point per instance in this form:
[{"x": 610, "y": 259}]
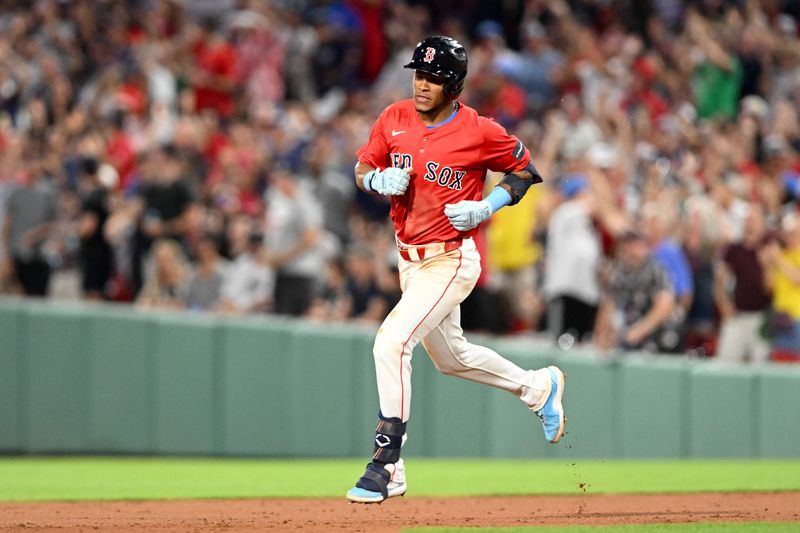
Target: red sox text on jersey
[{"x": 445, "y": 177}]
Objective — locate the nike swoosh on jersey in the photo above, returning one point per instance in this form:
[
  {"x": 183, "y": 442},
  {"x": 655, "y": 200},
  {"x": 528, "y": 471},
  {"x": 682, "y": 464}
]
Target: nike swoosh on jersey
[{"x": 397, "y": 132}]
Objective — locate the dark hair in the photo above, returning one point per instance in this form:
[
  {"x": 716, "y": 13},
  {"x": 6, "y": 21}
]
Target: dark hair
[
  {"x": 89, "y": 165},
  {"x": 255, "y": 237},
  {"x": 169, "y": 150}
]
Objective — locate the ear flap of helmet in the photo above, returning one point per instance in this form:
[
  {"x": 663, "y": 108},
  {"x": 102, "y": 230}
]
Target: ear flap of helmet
[{"x": 453, "y": 88}]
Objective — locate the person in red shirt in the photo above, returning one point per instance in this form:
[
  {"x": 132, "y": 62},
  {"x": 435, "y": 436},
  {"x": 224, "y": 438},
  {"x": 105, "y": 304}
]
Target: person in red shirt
[
  {"x": 120, "y": 150},
  {"x": 215, "y": 72},
  {"x": 430, "y": 154}
]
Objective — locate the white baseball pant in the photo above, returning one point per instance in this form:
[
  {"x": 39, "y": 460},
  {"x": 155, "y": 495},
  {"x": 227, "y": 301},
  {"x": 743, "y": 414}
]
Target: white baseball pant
[{"x": 429, "y": 312}]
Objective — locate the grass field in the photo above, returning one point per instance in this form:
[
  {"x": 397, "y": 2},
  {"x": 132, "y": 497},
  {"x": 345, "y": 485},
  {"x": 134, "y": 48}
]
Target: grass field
[
  {"x": 79, "y": 478},
  {"x": 147, "y": 478}
]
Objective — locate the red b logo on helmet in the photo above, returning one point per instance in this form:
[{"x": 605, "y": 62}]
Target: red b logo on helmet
[{"x": 429, "y": 52}]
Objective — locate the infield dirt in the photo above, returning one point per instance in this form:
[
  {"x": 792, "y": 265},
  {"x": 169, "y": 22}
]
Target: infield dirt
[{"x": 397, "y": 513}]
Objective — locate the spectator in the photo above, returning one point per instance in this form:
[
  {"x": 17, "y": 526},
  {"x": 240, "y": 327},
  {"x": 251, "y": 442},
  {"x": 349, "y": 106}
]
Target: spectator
[
  {"x": 61, "y": 249},
  {"x": 248, "y": 284},
  {"x": 657, "y": 223},
  {"x": 299, "y": 73},
  {"x": 332, "y": 300},
  {"x": 718, "y": 75},
  {"x": 701, "y": 249},
  {"x": 572, "y": 263},
  {"x": 642, "y": 95},
  {"x": 513, "y": 254},
  {"x": 783, "y": 276},
  {"x": 332, "y": 188},
  {"x": 489, "y": 51},
  {"x": 514, "y": 235},
  {"x": 367, "y": 301},
  {"x": 537, "y": 69},
  {"x": 573, "y": 257},
  {"x": 164, "y": 199},
  {"x": 637, "y": 301},
  {"x": 166, "y": 282},
  {"x": 582, "y": 130},
  {"x": 338, "y": 58},
  {"x": 293, "y": 238},
  {"x": 234, "y": 181},
  {"x": 31, "y": 211},
  {"x": 371, "y": 15},
  {"x": 742, "y": 315},
  {"x": 260, "y": 51},
  {"x": 120, "y": 151},
  {"x": 96, "y": 258},
  {"x": 205, "y": 285},
  {"x": 214, "y": 75},
  {"x": 500, "y": 98}
]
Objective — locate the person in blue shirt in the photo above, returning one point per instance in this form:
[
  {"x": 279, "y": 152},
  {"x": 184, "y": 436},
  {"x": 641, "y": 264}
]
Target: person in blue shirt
[
  {"x": 657, "y": 224},
  {"x": 537, "y": 67}
]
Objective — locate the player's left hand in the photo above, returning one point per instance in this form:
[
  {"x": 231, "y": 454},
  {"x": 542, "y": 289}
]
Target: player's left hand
[{"x": 467, "y": 214}]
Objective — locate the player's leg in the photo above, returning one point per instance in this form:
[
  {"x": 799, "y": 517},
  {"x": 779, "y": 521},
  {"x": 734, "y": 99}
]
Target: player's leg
[
  {"x": 431, "y": 290},
  {"x": 454, "y": 356},
  {"x": 540, "y": 390}
]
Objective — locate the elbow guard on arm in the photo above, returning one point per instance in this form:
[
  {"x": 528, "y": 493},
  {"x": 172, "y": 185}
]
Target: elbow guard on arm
[{"x": 517, "y": 187}]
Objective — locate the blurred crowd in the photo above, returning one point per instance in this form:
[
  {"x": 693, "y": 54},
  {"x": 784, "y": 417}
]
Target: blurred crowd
[{"x": 198, "y": 154}]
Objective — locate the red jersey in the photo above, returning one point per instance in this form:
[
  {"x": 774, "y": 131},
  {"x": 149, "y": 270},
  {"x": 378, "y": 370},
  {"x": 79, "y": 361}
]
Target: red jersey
[{"x": 449, "y": 161}]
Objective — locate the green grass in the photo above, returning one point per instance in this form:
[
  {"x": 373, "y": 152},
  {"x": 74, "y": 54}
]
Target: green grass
[
  {"x": 75, "y": 478},
  {"x": 735, "y": 527}
]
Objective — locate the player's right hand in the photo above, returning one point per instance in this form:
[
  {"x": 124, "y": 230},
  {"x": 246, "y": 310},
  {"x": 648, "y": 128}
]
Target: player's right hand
[{"x": 390, "y": 181}]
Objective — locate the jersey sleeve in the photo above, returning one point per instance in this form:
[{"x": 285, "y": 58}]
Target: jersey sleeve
[
  {"x": 502, "y": 152},
  {"x": 375, "y": 152}
]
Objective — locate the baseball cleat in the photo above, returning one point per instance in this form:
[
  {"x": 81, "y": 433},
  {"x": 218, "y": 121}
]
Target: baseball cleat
[
  {"x": 552, "y": 412},
  {"x": 379, "y": 483}
]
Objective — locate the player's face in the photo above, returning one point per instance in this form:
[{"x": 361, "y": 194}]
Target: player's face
[{"x": 429, "y": 94}]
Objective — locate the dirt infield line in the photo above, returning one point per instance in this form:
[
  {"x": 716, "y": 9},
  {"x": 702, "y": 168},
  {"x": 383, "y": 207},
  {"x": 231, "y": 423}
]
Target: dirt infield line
[{"x": 393, "y": 515}]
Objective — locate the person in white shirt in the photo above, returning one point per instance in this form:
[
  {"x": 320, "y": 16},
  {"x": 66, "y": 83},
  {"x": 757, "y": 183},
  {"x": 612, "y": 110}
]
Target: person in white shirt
[
  {"x": 572, "y": 262},
  {"x": 248, "y": 284}
]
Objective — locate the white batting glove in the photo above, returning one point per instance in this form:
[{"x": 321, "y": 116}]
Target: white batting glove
[
  {"x": 391, "y": 181},
  {"x": 467, "y": 214}
]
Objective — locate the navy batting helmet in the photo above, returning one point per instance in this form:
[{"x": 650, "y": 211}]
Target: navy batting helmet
[{"x": 444, "y": 57}]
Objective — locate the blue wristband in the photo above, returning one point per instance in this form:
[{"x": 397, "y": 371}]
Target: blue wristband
[
  {"x": 498, "y": 199},
  {"x": 368, "y": 180}
]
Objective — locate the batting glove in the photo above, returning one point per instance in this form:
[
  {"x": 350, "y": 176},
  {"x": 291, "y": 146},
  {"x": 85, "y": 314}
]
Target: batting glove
[
  {"x": 391, "y": 181},
  {"x": 467, "y": 214}
]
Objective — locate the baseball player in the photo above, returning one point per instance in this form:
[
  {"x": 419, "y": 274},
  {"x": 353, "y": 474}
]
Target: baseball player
[{"x": 430, "y": 155}]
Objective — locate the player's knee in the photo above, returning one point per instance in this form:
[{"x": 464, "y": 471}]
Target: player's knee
[
  {"x": 448, "y": 369},
  {"x": 445, "y": 367},
  {"x": 443, "y": 362},
  {"x": 386, "y": 344}
]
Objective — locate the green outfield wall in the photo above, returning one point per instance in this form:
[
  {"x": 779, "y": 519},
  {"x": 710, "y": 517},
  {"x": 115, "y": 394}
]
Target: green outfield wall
[{"x": 92, "y": 378}]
